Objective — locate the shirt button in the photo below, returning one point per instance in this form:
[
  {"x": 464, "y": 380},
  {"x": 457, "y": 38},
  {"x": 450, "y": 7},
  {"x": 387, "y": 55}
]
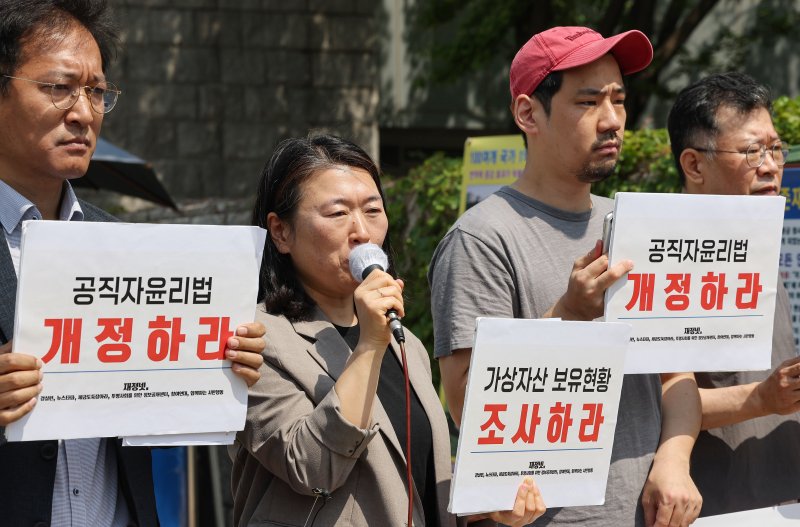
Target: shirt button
[{"x": 75, "y": 491}]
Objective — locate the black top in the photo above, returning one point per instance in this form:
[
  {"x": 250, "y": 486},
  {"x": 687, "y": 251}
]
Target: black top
[{"x": 392, "y": 395}]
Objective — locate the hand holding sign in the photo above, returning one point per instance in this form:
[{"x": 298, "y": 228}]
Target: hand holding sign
[
  {"x": 588, "y": 281},
  {"x": 20, "y": 383},
  {"x": 244, "y": 351},
  {"x": 528, "y": 506}
]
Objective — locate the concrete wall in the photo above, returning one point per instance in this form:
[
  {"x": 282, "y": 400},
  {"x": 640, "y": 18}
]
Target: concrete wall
[{"x": 210, "y": 86}]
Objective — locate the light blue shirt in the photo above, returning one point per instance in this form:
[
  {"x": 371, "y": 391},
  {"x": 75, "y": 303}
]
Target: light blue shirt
[{"x": 86, "y": 485}]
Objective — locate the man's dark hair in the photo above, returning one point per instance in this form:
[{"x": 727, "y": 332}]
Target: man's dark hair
[
  {"x": 546, "y": 89},
  {"x": 692, "y": 121},
  {"x": 294, "y": 162},
  {"x": 22, "y": 21},
  {"x": 544, "y": 93}
]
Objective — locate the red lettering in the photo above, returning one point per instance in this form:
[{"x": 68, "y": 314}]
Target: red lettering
[
  {"x": 713, "y": 291},
  {"x": 165, "y": 339},
  {"x": 679, "y": 285},
  {"x": 643, "y": 286},
  {"x": 590, "y": 426},
  {"x": 751, "y": 287},
  {"x": 559, "y": 423},
  {"x": 493, "y": 421},
  {"x": 218, "y": 334},
  {"x": 66, "y": 337},
  {"x": 119, "y": 330},
  {"x": 526, "y": 431}
]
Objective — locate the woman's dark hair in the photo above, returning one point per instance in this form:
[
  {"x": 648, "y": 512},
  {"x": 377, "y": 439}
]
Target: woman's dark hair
[
  {"x": 293, "y": 163},
  {"x": 23, "y": 20}
]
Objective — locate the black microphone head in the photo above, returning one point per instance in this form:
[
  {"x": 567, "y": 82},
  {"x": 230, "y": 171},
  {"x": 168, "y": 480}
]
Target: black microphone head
[{"x": 365, "y": 258}]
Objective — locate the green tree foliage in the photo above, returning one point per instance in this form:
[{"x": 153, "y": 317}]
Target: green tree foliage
[
  {"x": 645, "y": 165},
  {"x": 786, "y": 116},
  {"x": 422, "y": 206},
  {"x": 450, "y": 39}
]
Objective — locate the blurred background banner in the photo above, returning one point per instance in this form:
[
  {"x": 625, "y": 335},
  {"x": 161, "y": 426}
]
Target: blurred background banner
[
  {"x": 790, "y": 243},
  {"x": 490, "y": 162}
]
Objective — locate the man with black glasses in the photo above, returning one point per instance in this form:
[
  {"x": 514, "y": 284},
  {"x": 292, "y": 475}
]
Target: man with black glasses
[
  {"x": 53, "y": 98},
  {"x": 747, "y": 456}
]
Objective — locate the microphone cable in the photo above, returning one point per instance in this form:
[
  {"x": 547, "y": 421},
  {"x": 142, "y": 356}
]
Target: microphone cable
[
  {"x": 318, "y": 493},
  {"x": 408, "y": 434}
]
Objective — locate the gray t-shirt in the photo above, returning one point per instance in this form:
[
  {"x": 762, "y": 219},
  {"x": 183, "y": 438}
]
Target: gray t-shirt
[
  {"x": 511, "y": 256},
  {"x": 753, "y": 464}
]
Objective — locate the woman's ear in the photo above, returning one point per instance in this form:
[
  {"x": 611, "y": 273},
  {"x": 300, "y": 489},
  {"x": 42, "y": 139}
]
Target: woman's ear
[
  {"x": 693, "y": 163},
  {"x": 280, "y": 232}
]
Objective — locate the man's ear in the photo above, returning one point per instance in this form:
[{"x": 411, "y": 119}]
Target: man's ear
[
  {"x": 526, "y": 116},
  {"x": 279, "y": 232},
  {"x": 693, "y": 164}
]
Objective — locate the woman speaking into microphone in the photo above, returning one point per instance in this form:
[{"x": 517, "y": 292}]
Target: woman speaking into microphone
[{"x": 324, "y": 442}]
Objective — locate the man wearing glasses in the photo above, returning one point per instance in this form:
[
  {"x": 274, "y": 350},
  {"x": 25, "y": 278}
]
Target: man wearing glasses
[
  {"x": 53, "y": 98},
  {"x": 747, "y": 456}
]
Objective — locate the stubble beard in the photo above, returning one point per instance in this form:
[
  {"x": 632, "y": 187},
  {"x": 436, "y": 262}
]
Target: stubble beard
[{"x": 595, "y": 173}]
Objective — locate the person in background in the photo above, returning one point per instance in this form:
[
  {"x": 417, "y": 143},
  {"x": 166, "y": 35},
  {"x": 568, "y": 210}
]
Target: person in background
[
  {"x": 326, "y": 424},
  {"x": 747, "y": 456},
  {"x": 522, "y": 253},
  {"x": 53, "y": 98}
]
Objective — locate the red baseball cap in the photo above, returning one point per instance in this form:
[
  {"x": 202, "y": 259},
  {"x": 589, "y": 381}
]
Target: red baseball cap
[{"x": 562, "y": 48}]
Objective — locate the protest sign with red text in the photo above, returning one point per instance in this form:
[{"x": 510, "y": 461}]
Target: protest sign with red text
[
  {"x": 131, "y": 323},
  {"x": 701, "y": 295},
  {"x": 541, "y": 400}
]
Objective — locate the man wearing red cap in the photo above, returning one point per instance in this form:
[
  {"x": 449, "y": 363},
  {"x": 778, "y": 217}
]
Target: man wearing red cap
[{"x": 508, "y": 257}]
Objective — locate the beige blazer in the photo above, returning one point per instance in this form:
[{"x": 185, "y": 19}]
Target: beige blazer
[{"x": 295, "y": 438}]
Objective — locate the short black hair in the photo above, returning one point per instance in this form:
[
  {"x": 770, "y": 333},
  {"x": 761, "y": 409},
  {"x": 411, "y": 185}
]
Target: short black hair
[
  {"x": 293, "y": 162},
  {"x": 692, "y": 121},
  {"x": 546, "y": 89},
  {"x": 24, "y": 20},
  {"x": 544, "y": 93}
]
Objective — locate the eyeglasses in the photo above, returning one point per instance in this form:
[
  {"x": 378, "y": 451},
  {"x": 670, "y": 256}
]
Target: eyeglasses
[
  {"x": 756, "y": 153},
  {"x": 102, "y": 97}
]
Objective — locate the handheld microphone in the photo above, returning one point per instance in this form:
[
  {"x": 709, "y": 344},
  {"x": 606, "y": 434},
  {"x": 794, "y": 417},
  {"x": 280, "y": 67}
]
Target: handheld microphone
[{"x": 364, "y": 259}]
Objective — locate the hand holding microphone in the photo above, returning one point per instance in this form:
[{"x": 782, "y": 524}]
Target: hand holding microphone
[{"x": 366, "y": 258}]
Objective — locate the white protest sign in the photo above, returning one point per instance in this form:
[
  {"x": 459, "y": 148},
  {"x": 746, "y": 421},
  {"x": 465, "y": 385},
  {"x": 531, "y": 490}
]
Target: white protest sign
[
  {"x": 701, "y": 296},
  {"x": 131, "y": 322},
  {"x": 541, "y": 400},
  {"x": 769, "y": 517}
]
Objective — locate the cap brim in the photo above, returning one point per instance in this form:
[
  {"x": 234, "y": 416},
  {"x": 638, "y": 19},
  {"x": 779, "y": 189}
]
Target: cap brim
[{"x": 631, "y": 49}]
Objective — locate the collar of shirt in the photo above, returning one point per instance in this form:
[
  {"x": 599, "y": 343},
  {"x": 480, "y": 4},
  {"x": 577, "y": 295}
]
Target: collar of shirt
[{"x": 17, "y": 208}]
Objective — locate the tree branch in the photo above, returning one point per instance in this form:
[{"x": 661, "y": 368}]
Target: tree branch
[
  {"x": 670, "y": 20},
  {"x": 669, "y": 47}
]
